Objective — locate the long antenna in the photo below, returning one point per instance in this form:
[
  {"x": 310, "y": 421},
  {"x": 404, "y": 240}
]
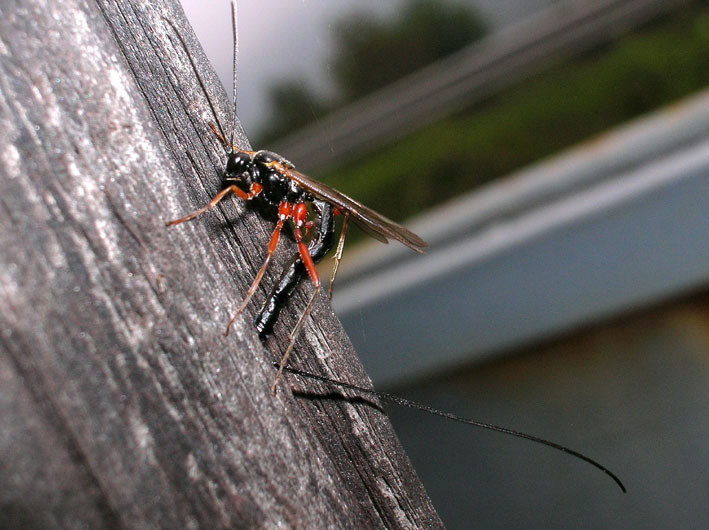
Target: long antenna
[
  {"x": 234, "y": 67},
  {"x": 202, "y": 85},
  {"x": 403, "y": 402}
]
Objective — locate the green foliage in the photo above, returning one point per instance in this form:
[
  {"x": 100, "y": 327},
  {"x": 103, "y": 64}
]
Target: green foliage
[
  {"x": 370, "y": 53},
  {"x": 293, "y": 104},
  {"x": 556, "y": 109}
]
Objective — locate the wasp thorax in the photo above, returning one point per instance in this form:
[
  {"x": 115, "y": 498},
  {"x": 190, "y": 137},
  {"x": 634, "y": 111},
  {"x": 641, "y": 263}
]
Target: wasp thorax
[
  {"x": 274, "y": 187},
  {"x": 265, "y": 157},
  {"x": 294, "y": 193}
]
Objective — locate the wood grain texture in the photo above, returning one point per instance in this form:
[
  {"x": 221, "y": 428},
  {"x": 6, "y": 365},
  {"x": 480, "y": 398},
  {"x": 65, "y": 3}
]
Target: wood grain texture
[{"x": 122, "y": 403}]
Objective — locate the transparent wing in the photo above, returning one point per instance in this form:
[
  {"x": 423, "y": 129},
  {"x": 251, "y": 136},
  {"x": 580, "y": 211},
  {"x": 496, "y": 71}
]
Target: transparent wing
[{"x": 375, "y": 224}]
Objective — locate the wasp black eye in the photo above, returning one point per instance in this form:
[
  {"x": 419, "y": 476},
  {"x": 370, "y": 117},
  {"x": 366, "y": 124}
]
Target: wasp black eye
[{"x": 237, "y": 165}]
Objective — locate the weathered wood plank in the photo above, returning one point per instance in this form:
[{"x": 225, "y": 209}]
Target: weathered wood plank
[{"x": 122, "y": 403}]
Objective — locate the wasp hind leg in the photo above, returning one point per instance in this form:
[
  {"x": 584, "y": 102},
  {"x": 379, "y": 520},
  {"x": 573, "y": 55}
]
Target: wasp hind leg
[
  {"x": 338, "y": 254},
  {"x": 285, "y": 210},
  {"x": 299, "y": 214}
]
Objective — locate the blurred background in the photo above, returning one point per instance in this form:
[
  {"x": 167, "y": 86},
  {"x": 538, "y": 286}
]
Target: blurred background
[{"x": 555, "y": 155}]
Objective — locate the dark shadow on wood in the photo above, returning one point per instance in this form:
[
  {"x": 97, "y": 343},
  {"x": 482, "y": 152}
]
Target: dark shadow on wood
[{"x": 337, "y": 396}]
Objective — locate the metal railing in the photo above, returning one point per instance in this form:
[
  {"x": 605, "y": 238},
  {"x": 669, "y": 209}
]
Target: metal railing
[{"x": 618, "y": 222}]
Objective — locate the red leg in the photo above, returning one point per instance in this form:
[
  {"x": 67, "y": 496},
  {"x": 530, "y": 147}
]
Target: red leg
[
  {"x": 285, "y": 210},
  {"x": 308, "y": 225},
  {"x": 255, "y": 190},
  {"x": 300, "y": 213}
]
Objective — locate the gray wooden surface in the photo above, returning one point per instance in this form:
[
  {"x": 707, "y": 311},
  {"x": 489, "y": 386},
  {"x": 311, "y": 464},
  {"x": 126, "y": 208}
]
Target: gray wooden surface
[{"x": 121, "y": 402}]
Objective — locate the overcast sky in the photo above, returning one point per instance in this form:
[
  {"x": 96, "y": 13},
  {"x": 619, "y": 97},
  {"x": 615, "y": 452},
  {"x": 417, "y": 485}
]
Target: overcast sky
[{"x": 291, "y": 38}]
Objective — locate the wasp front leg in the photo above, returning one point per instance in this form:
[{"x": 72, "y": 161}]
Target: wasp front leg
[{"x": 253, "y": 192}]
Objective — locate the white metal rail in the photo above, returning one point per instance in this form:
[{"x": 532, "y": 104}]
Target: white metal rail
[{"x": 616, "y": 223}]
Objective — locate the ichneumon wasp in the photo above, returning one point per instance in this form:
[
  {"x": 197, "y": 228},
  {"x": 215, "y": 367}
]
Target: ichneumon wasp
[{"x": 274, "y": 184}]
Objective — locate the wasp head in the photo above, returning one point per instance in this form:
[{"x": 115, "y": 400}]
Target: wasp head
[{"x": 239, "y": 170}]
